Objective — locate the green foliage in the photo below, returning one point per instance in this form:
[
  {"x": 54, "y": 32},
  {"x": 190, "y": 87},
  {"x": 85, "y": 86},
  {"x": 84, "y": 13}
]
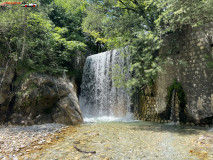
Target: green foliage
[
  {"x": 209, "y": 61},
  {"x": 22, "y": 77},
  {"x": 176, "y": 15},
  {"x": 52, "y": 37},
  {"x": 69, "y": 14},
  {"x": 210, "y": 64},
  {"x": 11, "y": 34},
  {"x": 145, "y": 59},
  {"x": 119, "y": 23},
  {"x": 40, "y": 54},
  {"x": 43, "y": 40},
  {"x": 140, "y": 24},
  {"x": 119, "y": 76}
]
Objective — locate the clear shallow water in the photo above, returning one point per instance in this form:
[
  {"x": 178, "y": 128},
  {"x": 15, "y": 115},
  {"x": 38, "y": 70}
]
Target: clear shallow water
[{"x": 134, "y": 140}]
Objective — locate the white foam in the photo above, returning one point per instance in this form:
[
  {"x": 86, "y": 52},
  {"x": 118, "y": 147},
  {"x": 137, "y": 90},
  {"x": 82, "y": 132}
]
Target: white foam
[
  {"x": 127, "y": 118},
  {"x": 173, "y": 123}
]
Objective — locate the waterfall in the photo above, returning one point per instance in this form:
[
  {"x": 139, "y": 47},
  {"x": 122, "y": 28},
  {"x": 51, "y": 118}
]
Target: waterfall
[
  {"x": 99, "y": 96},
  {"x": 175, "y": 107},
  {"x": 173, "y": 116}
]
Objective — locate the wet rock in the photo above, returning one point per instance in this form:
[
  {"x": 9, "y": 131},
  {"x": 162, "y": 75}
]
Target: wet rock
[
  {"x": 41, "y": 142},
  {"x": 60, "y": 116},
  {"x": 45, "y": 99},
  {"x": 76, "y": 142},
  {"x": 70, "y": 105},
  {"x": 37, "y": 147},
  {"x": 6, "y": 78}
]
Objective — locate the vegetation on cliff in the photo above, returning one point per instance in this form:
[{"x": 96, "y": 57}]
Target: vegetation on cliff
[
  {"x": 45, "y": 39},
  {"x": 54, "y": 36},
  {"x": 141, "y": 25}
]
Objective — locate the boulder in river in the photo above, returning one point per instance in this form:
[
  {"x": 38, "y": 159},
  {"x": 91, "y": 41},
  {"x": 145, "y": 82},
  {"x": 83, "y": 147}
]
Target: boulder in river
[{"x": 45, "y": 99}]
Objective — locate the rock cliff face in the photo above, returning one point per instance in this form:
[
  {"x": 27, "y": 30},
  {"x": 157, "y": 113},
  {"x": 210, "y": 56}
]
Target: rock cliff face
[
  {"x": 6, "y": 78},
  {"x": 189, "y": 55},
  {"x": 43, "y": 99}
]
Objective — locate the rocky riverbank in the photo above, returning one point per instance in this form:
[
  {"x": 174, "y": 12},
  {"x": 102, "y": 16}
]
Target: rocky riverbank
[
  {"x": 106, "y": 141},
  {"x": 17, "y": 142},
  {"x": 134, "y": 140}
]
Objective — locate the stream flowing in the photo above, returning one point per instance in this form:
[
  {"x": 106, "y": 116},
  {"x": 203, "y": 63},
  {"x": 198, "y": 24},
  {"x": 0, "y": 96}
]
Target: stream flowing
[{"x": 133, "y": 140}]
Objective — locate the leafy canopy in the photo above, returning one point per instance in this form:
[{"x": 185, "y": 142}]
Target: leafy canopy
[{"x": 140, "y": 24}]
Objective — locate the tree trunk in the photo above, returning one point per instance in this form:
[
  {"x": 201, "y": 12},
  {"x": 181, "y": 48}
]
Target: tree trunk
[{"x": 24, "y": 42}]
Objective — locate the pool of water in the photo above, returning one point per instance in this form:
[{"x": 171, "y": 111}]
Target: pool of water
[{"x": 131, "y": 140}]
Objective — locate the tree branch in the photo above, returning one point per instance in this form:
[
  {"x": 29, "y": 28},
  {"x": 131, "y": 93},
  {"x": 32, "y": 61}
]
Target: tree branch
[
  {"x": 10, "y": 49},
  {"x": 126, "y": 7},
  {"x": 79, "y": 150}
]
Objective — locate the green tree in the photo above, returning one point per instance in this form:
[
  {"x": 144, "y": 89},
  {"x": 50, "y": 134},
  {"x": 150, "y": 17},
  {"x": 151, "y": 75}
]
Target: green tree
[
  {"x": 140, "y": 24},
  {"x": 175, "y": 15},
  {"x": 37, "y": 42}
]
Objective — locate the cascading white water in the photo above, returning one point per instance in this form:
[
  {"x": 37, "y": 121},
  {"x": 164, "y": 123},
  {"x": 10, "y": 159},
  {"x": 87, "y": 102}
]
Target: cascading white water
[{"x": 99, "y": 97}]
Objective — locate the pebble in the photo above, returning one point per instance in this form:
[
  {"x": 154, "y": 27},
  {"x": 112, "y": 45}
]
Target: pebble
[
  {"x": 41, "y": 142},
  {"x": 15, "y": 158},
  {"x": 14, "y": 138},
  {"x": 22, "y": 146},
  {"x": 37, "y": 147}
]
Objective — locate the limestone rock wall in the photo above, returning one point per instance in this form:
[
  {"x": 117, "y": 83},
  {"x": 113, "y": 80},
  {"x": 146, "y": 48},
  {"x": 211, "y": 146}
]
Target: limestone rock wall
[
  {"x": 45, "y": 99},
  {"x": 38, "y": 99},
  {"x": 189, "y": 53}
]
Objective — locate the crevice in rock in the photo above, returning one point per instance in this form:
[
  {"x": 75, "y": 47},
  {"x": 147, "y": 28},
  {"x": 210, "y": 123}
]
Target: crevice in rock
[
  {"x": 206, "y": 121},
  {"x": 176, "y": 105},
  {"x": 12, "y": 96},
  {"x": 13, "y": 80},
  {"x": 10, "y": 108}
]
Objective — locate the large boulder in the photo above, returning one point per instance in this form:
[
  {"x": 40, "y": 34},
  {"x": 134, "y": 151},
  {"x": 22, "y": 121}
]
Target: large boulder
[
  {"x": 6, "y": 94},
  {"x": 45, "y": 99}
]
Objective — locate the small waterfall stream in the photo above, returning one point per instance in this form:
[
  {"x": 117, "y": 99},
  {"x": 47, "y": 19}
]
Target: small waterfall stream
[
  {"x": 99, "y": 97},
  {"x": 173, "y": 115}
]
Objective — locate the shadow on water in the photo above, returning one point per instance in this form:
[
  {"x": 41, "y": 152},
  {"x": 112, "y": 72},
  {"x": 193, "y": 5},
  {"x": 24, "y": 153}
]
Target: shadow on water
[
  {"x": 138, "y": 125},
  {"x": 165, "y": 127}
]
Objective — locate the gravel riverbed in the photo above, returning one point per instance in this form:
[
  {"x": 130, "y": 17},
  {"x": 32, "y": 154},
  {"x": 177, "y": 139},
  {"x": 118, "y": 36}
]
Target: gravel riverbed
[
  {"x": 131, "y": 141},
  {"x": 106, "y": 141},
  {"x": 18, "y": 141}
]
